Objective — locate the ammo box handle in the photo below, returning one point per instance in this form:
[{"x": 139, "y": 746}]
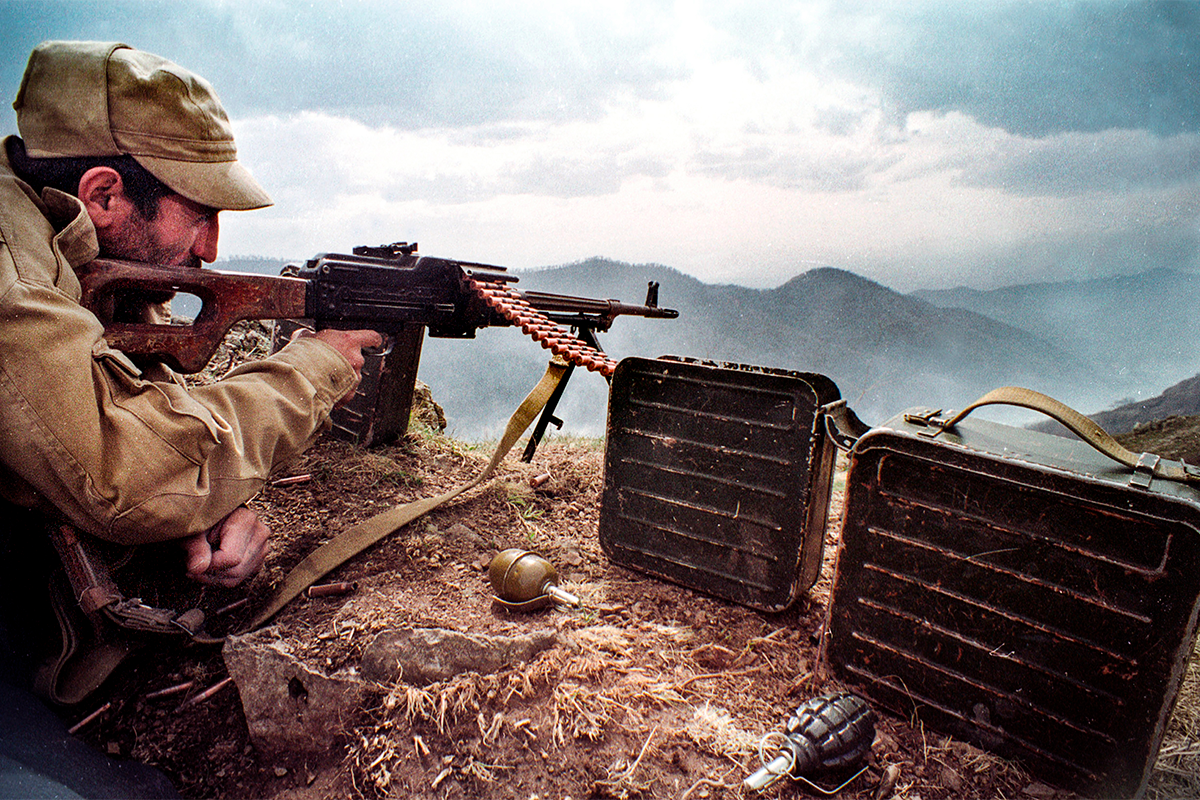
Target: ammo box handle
[{"x": 1082, "y": 427}]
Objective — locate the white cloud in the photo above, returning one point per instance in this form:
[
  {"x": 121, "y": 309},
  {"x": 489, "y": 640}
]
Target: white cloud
[
  {"x": 732, "y": 142},
  {"x": 753, "y": 194}
]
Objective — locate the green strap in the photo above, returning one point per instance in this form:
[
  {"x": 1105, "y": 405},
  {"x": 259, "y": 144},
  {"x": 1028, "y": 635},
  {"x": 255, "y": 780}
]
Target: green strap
[
  {"x": 354, "y": 540},
  {"x": 1081, "y": 426}
]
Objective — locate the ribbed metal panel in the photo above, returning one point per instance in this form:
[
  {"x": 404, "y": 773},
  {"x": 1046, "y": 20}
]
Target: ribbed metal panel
[
  {"x": 1013, "y": 589},
  {"x": 717, "y": 477}
]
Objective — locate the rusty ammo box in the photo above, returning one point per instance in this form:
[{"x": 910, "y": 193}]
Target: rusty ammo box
[
  {"x": 717, "y": 477},
  {"x": 1017, "y": 590}
]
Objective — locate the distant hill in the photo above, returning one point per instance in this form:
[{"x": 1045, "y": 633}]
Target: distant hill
[
  {"x": 262, "y": 266},
  {"x": 1176, "y": 438},
  {"x": 1180, "y": 400},
  {"x": 1138, "y": 332}
]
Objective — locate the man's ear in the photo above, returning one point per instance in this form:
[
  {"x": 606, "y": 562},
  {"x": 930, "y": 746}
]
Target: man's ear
[{"x": 103, "y": 194}]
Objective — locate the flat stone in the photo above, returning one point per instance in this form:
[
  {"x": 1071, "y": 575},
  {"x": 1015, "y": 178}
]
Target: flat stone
[
  {"x": 427, "y": 655},
  {"x": 461, "y": 533},
  {"x": 289, "y": 707},
  {"x": 951, "y": 780}
]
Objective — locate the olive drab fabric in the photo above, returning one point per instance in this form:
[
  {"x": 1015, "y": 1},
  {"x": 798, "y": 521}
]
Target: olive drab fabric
[
  {"x": 84, "y": 431},
  {"x": 108, "y": 99}
]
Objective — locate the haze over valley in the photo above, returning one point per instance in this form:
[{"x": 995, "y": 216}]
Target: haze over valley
[{"x": 1092, "y": 344}]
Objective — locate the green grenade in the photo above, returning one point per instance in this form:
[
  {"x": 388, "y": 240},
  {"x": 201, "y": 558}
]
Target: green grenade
[
  {"x": 827, "y": 734},
  {"x": 525, "y": 581}
]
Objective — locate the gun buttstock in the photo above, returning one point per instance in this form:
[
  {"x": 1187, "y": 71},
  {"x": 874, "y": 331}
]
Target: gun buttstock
[{"x": 226, "y": 297}]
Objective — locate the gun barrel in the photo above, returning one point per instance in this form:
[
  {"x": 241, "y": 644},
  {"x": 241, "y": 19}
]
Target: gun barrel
[{"x": 587, "y": 309}]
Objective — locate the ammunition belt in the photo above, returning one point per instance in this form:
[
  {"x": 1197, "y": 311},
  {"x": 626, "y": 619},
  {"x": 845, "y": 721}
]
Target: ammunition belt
[{"x": 517, "y": 310}]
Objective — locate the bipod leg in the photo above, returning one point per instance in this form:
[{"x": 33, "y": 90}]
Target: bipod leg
[
  {"x": 588, "y": 336},
  {"x": 547, "y": 416}
]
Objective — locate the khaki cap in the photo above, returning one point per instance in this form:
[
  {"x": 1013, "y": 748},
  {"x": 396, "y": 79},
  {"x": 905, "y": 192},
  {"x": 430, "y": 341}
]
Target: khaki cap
[{"x": 107, "y": 99}]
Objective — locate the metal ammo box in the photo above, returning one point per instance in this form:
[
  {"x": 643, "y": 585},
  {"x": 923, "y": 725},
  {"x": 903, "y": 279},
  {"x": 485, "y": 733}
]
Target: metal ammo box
[
  {"x": 717, "y": 477},
  {"x": 1018, "y": 590}
]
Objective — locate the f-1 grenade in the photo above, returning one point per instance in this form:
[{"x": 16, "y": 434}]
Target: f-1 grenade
[
  {"x": 829, "y": 733},
  {"x": 525, "y": 581}
]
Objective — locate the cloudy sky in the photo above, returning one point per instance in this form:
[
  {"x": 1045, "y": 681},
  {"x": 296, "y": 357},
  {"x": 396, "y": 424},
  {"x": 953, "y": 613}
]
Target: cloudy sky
[{"x": 920, "y": 144}]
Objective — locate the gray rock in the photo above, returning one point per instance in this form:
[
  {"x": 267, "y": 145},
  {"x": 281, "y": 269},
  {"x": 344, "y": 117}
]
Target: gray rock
[
  {"x": 426, "y": 655},
  {"x": 461, "y": 533},
  {"x": 290, "y": 708}
]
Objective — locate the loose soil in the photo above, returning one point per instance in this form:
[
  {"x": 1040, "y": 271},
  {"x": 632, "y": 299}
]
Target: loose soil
[{"x": 653, "y": 690}]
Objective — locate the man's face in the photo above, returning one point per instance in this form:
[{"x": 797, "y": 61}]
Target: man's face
[{"x": 181, "y": 234}]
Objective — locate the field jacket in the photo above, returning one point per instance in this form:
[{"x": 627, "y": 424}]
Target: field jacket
[{"x": 83, "y": 430}]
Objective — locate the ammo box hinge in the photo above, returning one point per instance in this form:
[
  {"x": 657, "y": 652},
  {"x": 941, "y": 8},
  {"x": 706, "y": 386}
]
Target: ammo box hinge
[
  {"x": 1143, "y": 471},
  {"x": 841, "y": 424}
]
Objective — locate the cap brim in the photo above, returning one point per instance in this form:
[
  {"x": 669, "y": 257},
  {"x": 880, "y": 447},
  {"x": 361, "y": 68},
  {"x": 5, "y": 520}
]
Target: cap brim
[{"x": 224, "y": 185}]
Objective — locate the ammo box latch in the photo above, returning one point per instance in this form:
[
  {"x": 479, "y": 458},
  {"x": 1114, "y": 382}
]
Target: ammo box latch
[
  {"x": 1143, "y": 471},
  {"x": 931, "y": 420}
]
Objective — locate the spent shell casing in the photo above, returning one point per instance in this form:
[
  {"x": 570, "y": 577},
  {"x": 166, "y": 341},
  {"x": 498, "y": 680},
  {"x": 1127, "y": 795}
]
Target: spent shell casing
[
  {"x": 170, "y": 691},
  {"x": 235, "y": 605},
  {"x": 331, "y": 589},
  {"x": 207, "y": 693},
  {"x": 291, "y": 480},
  {"x": 78, "y": 726}
]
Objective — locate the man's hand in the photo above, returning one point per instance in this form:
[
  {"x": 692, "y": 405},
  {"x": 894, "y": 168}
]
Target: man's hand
[
  {"x": 350, "y": 344},
  {"x": 230, "y": 551}
]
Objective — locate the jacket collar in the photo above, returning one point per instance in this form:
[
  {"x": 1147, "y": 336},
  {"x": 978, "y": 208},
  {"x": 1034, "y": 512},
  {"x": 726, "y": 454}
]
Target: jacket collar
[
  {"x": 75, "y": 235},
  {"x": 76, "y": 238}
]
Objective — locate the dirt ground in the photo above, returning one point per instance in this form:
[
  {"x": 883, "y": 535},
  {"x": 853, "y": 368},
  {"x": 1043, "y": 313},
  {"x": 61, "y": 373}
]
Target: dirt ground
[{"x": 653, "y": 690}]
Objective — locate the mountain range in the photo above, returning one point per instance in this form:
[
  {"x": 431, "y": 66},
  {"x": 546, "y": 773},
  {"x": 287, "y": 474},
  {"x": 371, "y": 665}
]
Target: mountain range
[
  {"x": 1138, "y": 329},
  {"x": 1093, "y": 344}
]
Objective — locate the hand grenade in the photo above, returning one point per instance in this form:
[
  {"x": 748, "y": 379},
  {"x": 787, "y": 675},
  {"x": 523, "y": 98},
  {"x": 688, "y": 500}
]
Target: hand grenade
[
  {"x": 827, "y": 734},
  {"x": 525, "y": 581}
]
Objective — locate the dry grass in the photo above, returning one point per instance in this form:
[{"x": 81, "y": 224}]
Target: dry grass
[
  {"x": 715, "y": 730},
  {"x": 586, "y": 688},
  {"x": 1177, "y": 768},
  {"x": 581, "y": 710}
]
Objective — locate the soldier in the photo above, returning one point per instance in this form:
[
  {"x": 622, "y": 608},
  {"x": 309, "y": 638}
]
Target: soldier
[{"x": 123, "y": 154}]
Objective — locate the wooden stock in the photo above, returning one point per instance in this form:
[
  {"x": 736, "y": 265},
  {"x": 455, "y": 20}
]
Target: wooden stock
[{"x": 227, "y": 297}]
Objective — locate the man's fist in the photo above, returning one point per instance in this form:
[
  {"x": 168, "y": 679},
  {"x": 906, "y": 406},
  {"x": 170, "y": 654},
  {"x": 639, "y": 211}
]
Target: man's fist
[{"x": 230, "y": 551}]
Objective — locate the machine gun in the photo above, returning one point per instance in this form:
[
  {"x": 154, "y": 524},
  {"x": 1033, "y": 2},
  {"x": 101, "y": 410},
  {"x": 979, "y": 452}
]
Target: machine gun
[{"x": 390, "y": 289}]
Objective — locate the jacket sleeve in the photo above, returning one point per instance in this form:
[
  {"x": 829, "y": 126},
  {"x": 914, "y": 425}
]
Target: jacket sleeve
[{"x": 134, "y": 460}]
